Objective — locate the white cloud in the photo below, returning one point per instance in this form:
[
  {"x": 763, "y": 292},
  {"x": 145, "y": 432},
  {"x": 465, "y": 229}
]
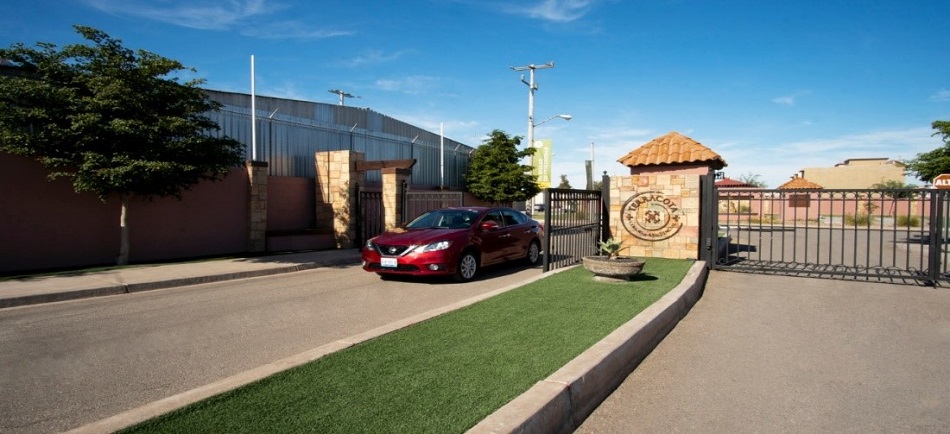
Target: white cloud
[
  {"x": 373, "y": 57},
  {"x": 290, "y": 30},
  {"x": 555, "y": 10},
  {"x": 941, "y": 95},
  {"x": 784, "y": 100},
  {"x": 790, "y": 100},
  {"x": 248, "y": 17},
  {"x": 412, "y": 85}
]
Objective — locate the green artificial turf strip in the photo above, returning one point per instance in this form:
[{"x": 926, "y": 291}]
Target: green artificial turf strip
[{"x": 442, "y": 375}]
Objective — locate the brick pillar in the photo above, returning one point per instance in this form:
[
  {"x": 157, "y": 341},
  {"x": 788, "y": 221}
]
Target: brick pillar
[
  {"x": 393, "y": 180},
  {"x": 336, "y": 176},
  {"x": 257, "y": 206}
]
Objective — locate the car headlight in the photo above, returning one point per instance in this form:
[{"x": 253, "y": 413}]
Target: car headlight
[
  {"x": 434, "y": 247},
  {"x": 369, "y": 243}
]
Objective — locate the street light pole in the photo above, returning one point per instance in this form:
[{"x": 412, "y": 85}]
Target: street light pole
[
  {"x": 565, "y": 117},
  {"x": 532, "y": 86}
]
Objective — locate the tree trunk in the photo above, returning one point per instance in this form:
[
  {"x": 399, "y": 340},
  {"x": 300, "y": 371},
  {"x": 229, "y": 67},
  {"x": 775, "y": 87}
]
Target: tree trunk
[{"x": 123, "y": 257}]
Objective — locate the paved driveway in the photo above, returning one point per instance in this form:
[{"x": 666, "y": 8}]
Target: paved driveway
[
  {"x": 63, "y": 365},
  {"x": 785, "y": 354}
]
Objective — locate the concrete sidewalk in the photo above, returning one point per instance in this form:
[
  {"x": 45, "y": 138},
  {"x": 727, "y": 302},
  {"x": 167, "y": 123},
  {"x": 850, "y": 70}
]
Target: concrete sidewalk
[
  {"x": 780, "y": 354},
  {"x": 74, "y": 285}
]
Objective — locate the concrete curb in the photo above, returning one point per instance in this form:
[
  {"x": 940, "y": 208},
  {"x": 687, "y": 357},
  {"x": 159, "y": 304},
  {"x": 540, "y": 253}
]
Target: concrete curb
[
  {"x": 561, "y": 402},
  {"x": 117, "y": 289}
]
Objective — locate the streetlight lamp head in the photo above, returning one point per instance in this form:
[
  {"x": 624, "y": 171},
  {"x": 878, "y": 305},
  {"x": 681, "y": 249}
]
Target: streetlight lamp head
[{"x": 565, "y": 117}]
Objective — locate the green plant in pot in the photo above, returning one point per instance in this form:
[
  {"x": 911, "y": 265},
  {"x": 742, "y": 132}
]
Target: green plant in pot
[
  {"x": 611, "y": 267},
  {"x": 610, "y": 247}
]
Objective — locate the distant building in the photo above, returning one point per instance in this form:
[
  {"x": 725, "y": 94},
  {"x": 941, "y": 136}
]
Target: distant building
[
  {"x": 799, "y": 183},
  {"x": 727, "y": 182},
  {"x": 855, "y": 173}
]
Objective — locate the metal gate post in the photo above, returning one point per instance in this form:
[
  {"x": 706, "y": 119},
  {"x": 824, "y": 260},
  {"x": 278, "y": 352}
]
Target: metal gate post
[
  {"x": 546, "y": 262},
  {"x": 936, "y": 236},
  {"x": 605, "y": 208},
  {"x": 707, "y": 211}
]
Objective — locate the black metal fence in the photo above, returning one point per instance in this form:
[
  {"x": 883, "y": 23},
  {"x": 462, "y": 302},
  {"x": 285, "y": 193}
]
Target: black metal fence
[
  {"x": 573, "y": 226},
  {"x": 896, "y": 235}
]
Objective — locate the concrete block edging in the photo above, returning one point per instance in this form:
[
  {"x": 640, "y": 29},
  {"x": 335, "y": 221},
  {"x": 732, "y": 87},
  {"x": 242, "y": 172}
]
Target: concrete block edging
[{"x": 561, "y": 402}]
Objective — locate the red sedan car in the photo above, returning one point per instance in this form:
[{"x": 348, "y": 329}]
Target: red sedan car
[{"x": 456, "y": 242}]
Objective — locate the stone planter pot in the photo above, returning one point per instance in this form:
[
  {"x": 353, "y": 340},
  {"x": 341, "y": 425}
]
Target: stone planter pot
[{"x": 618, "y": 269}]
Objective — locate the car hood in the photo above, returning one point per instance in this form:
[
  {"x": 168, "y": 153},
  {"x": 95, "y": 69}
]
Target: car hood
[{"x": 417, "y": 237}]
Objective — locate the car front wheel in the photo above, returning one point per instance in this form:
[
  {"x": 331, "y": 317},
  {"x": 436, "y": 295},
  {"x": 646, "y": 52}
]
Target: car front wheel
[{"x": 467, "y": 267}]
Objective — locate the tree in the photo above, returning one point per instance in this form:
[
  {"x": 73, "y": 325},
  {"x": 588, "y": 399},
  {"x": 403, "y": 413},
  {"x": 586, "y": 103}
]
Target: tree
[
  {"x": 564, "y": 182},
  {"x": 899, "y": 189},
  {"x": 753, "y": 179},
  {"x": 115, "y": 122},
  {"x": 930, "y": 164},
  {"x": 495, "y": 173}
]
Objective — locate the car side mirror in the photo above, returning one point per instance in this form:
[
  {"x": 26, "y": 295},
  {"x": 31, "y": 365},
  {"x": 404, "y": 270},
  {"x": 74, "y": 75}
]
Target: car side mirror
[{"x": 488, "y": 226}]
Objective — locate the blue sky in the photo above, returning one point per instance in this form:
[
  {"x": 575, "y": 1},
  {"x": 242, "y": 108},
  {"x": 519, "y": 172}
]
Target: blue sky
[{"x": 772, "y": 86}]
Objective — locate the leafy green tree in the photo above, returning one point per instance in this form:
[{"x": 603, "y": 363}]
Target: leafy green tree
[
  {"x": 564, "y": 182},
  {"x": 928, "y": 165},
  {"x": 753, "y": 179},
  {"x": 898, "y": 188},
  {"x": 496, "y": 174},
  {"x": 115, "y": 122}
]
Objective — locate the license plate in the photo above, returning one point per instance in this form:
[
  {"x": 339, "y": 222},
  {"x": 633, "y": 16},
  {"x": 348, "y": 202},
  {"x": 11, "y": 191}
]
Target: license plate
[{"x": 388, "y": 262}]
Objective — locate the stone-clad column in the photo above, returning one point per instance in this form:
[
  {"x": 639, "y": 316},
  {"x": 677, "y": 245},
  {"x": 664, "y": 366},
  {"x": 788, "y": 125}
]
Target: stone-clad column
[
  {"x": 656, "y": 215},
  {"x": 336, "y": 176},
  {"x": 393, "y": 179},
  {"x": 257, "y": 206}
]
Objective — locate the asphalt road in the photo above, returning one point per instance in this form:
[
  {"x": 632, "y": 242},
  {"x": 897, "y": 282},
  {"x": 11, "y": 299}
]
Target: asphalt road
[
  {"x": 777, "y": 354},
  {"x": 63, "y": 365}
]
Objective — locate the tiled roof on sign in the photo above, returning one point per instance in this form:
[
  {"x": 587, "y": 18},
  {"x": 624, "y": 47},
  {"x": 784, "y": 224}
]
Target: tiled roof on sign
[
  {"x": 798, "y": 183},
  {"x": 673, "y": 148}
]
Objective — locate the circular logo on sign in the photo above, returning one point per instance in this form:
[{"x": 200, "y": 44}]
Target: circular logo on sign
[{"x": 651, "y": 216}]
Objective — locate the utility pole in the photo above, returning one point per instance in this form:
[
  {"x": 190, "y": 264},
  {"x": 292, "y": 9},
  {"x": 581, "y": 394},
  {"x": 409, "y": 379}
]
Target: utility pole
[
  {"x": 532, "y": 86},
  {"x": 342, "y": 94}
]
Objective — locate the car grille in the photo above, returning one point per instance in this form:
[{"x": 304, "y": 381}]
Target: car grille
[{"x": 387, "y": 250}]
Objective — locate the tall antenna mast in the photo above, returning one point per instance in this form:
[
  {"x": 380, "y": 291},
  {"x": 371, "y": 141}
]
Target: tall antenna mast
[{"x": 342, "y": 95}]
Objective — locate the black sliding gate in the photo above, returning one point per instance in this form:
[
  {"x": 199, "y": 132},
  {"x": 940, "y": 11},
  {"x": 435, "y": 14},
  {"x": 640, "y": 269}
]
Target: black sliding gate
[
  {"x": 574, "y": 222},
  {"x": 369, "y": 207},
  {"x": 369, "y": 214},
  {"x": 893, "y": 235}
]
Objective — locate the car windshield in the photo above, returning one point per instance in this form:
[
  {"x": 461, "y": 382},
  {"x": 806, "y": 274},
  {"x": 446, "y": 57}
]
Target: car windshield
[{"x": 444, "y": 218}]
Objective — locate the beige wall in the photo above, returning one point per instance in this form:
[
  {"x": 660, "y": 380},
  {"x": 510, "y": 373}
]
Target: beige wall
[{"x": 855, "y": 173}]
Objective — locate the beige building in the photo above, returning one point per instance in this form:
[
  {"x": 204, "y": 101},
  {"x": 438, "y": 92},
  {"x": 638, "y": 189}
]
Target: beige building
[{"x": 855, "y": 173}]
